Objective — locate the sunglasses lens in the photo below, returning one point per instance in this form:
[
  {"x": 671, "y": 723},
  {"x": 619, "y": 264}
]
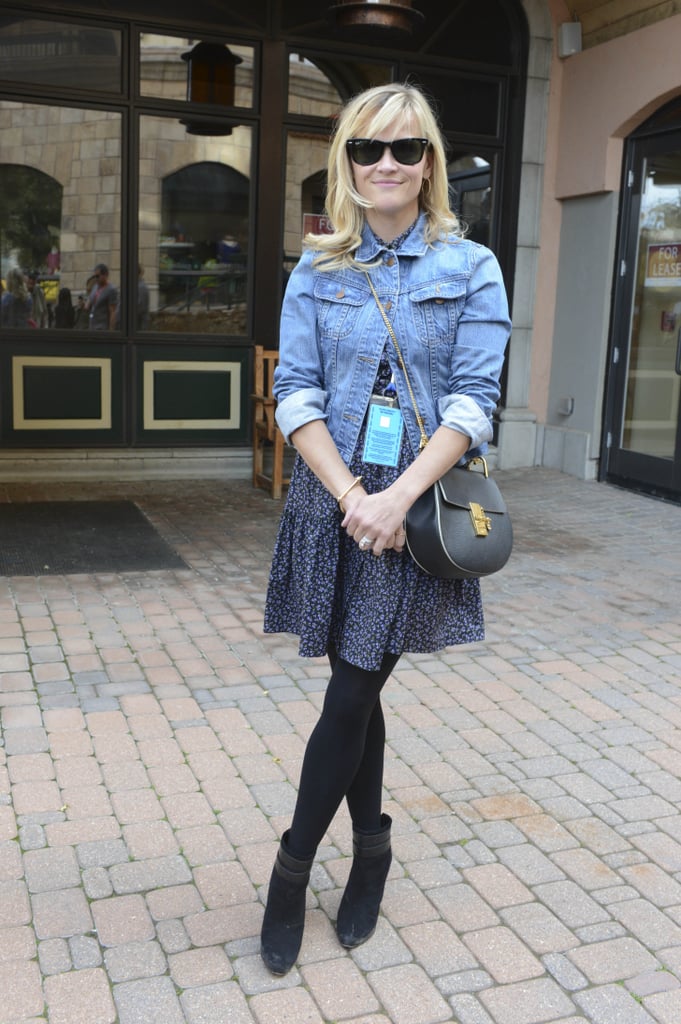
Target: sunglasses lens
[
  {"x": 408, "y": 151},
  {"x": 369, "y": 151},
  {"x": 365, "y": 151}
]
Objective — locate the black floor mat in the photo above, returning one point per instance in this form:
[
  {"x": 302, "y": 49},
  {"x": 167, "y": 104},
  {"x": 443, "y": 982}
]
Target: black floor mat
[{"x": 58, "y": 537}]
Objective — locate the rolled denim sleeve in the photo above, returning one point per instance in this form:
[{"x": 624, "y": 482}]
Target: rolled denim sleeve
[
  {"x": 298, "y": 383},
  {"x": 459, "y": 412},
  {"x": 298, "y": 409},
  {"x": 483, "y": 331}
]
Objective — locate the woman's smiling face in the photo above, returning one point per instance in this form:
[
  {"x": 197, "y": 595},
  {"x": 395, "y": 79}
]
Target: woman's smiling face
[{"x": 392, "y": 188}]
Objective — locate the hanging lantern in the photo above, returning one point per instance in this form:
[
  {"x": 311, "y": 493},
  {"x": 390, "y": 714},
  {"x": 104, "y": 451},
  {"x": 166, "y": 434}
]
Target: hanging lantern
[
  {"x": 210, "y": 79},
  {"x": 383, "y": 16}
]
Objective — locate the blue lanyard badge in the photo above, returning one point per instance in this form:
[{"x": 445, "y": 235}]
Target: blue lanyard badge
[{"x": 383, "y": 433}]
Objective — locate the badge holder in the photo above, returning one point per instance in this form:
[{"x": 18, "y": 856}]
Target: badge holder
[{"x": 384, "y": 430}]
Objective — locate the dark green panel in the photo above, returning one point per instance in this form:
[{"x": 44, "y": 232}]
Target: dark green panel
[
  {"x": 187, "y": 395},
  {"x": 62, "y": 392},
  {"x": 66, "y": 398},
  {"x": 191, "y": 395}
]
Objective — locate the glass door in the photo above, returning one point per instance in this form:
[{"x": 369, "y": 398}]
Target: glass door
[{"x": 644, "y": 435}]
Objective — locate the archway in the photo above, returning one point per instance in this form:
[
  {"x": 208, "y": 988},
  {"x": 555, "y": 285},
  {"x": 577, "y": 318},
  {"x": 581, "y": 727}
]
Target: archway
[{"x": 203, "y": 202}]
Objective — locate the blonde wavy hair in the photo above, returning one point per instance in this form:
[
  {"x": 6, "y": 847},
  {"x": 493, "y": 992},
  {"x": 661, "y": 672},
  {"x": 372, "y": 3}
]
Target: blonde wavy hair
[{"x": 366, "y": 116}]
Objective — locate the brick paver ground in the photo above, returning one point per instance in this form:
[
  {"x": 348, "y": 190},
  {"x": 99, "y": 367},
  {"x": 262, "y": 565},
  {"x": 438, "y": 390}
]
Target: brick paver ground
[{"x": 152, "y": 738}]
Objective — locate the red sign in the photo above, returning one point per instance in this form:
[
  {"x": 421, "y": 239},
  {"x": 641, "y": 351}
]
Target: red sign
[
  {"x": 663, "y": 266},
  {"x": 316, "y": 224}
]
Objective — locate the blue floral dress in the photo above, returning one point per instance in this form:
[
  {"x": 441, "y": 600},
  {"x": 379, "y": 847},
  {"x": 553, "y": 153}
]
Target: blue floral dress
[{"x": 325, "y": 590}]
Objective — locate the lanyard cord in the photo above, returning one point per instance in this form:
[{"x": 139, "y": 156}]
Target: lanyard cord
[{"x": 419, "y": 419}]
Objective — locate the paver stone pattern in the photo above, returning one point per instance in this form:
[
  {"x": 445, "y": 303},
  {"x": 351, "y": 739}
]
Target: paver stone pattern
[{"x": 152, "y": 738}]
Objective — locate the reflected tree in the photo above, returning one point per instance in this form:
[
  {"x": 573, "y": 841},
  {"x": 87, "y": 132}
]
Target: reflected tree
[{"x": 30, "y": 214}]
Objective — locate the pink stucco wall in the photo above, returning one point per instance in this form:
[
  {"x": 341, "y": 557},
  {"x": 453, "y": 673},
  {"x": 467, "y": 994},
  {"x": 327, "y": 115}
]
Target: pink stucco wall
[
  {"x": 596, "y": 99},
  {"x": 547, "y": 266},
  {"x": 607, "y": 91}
]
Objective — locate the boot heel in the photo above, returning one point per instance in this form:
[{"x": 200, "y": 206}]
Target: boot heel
[
  {"x": 284, "y": 920},
  {"x": 358, "y": 911}
]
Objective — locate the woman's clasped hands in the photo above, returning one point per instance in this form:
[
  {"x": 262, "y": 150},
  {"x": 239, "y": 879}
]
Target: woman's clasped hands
[{"x": 374, "y": 521}]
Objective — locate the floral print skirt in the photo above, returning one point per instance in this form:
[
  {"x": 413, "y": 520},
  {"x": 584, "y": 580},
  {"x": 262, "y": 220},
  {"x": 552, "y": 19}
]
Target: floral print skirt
[{"x": 324, "y": 589}]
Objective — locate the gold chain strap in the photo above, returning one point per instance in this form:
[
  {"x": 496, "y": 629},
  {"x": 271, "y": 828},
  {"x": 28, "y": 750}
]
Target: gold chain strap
[{"x": 403, "y": 367}]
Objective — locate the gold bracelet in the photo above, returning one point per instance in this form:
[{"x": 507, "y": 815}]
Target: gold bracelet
[{"x": 347, "y": 491}]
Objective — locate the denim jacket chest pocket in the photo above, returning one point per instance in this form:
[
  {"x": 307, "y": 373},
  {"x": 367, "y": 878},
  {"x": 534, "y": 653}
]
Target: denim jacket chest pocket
[
  {"x": 436, "y": 308},
  {"x": 338, "y": 307}
]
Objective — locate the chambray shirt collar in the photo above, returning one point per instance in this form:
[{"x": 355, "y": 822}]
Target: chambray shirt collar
[{"x": 413, "y": 245}]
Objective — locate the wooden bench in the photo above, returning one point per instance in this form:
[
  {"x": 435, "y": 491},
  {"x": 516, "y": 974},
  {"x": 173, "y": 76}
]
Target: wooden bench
[{"x": 268, "y": 440}]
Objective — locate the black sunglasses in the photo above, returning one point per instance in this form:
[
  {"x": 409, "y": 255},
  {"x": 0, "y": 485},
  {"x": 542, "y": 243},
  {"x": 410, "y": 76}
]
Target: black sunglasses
[{"x": 369, "y": 151}]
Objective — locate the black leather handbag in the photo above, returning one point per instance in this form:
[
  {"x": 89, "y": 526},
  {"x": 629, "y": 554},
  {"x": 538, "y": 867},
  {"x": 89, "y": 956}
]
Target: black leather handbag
[{"x": 460, "y": 527}]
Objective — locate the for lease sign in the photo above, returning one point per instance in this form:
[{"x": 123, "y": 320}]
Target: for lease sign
[
  {"x": 316, "y": 223},
  {"x": 663, "y": 265}
]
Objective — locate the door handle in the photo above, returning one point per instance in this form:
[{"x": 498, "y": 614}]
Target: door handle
[{"x": 677, "y": 367}]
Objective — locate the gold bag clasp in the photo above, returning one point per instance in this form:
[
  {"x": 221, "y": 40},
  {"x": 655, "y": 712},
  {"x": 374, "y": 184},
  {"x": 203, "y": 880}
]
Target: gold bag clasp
[{"x": 482, "y": 524}]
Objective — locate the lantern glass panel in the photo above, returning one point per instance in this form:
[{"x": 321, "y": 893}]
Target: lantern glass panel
[{"x": 164, "y": 71}]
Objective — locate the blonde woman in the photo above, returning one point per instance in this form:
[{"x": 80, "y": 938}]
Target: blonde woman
[{"x": 340, "y": 578}]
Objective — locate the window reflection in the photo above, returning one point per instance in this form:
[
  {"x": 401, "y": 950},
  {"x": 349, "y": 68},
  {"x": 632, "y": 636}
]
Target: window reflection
[
  {"x": 193, "y": 229},
  {"x": 58, "y": 53},
  {"x": 470, "y": 195},
  {"x": 318, "y": 86},
  {"x": 164, "y": 68},
  {"x": 59, "y": 209},
  {"x": 309, "y": 89},
  {"x": 306, "y": 159},
  {"x": 653, "y": 394}
]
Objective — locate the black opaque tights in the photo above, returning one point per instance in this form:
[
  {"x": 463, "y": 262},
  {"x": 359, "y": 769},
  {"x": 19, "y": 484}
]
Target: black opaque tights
[{"x": 344, "y": 756}]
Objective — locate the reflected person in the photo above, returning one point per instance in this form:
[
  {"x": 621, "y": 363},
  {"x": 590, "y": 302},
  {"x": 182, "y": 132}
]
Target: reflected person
[
  {"x": 64, "y": 313},
  {"x": 16, "y": 305},
  {"x": 102, "y": 301},
  {"x": 142, "y": 300},
  {"x": 40, "y": 314}
]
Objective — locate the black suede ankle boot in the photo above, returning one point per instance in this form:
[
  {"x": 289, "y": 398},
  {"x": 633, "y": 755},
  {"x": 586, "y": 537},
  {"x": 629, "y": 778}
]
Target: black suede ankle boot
[
  {"x": 358, "y": 911},
  {"x": 284, "y": 920}
]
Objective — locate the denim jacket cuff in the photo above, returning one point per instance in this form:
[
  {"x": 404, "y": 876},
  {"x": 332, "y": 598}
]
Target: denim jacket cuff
[
  {"x": 459, "y": 412},
  {"x": 300, "y": 408}
]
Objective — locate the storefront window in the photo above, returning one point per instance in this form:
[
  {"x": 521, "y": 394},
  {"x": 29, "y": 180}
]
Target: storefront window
[
  {"x": 60, "y": 215},
  {"x": 318, "y": 87},
  {"x": 465, "y": 104},
  {"x": 55, "y": 53},
  {"x": 165, "y": 70},
  {"x": 653, "y": 394},
  {"x": 306, "y": 160},
  {"x": 193, "y": 229},
  {"x": 470, "y": 195}
]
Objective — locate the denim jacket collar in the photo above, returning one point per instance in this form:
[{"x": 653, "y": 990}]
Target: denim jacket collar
[{"x": 413, "y": 245}]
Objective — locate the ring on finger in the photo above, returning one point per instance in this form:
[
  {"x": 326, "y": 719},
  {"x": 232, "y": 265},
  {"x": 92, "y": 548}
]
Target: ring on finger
[{"x": 365, "y": 543}]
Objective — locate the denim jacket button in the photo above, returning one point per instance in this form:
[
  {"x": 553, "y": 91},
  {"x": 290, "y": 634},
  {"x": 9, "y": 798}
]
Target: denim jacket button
[
  {"x": 387, "y": 305},
  {"x": 340, "y": 294},
  {"x": 390, "y": 262}
]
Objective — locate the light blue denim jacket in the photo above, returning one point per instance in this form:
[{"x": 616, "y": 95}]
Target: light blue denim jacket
[{"x": 449, "y": 311}]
